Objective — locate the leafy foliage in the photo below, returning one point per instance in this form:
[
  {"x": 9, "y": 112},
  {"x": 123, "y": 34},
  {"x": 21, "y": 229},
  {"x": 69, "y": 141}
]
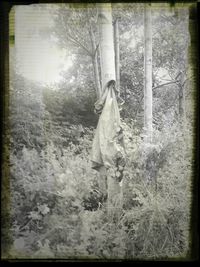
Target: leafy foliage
[
  {"x": 57, "y": 208},
  {"x": 63, "y": 212},
  {"x": 26, "y": 112}
]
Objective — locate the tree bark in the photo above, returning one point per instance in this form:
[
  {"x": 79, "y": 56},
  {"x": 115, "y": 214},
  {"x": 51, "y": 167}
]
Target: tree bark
[
  {"x": 117, "y": 58},
  {"x": 96, "y": 76},
  {"x": 107, "y": 74},
  {"x": 106, "y": 43},
  {"x": 148, "y": 73},
  {"x": 95, "y": 63}
]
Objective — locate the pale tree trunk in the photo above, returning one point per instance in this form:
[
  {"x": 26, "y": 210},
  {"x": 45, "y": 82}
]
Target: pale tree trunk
[
  {"x": 148, "y": 92},
  {"x": 96, "y": 75},
  {"x": 95, "y": 64},
  {"x": 106, "y": 43},
  {"x": 117, "y": 67},
  {"x": 148, "y": 72},
  {"x": 184, "y": 15},
  {"x": 107, "y": 74}
]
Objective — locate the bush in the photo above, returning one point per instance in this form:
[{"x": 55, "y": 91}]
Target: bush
[{"x": 58, "y": 210}]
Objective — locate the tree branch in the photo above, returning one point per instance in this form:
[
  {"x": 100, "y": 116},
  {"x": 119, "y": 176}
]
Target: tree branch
[
  {"x": 81, "y": 45},
  {"x": 97, "y": 46},
  {"x": 74, "y": 40},
  {"x": 171, "y": 82},
  {"x": 165, "y": 84}
]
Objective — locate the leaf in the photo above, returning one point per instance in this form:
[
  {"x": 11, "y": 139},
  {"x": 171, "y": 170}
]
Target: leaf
[
  {"x": 34, "y": 215},
  {"x": 44, "y": 209}
]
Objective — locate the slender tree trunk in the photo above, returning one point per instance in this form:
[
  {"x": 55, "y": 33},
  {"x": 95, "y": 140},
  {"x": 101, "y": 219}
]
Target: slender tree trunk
[
  {"x": 107, "y": 74},
  {"x": 95, "y": 63},
  {"x": 100, "y": 65},
  {"x": 117, "y": 67},
  {"x": 184, "y": 16},
  {"x": 148, "y": 170},
  {"x": 96, "y": 76},
  {"x": 94, "y": 55},
  {"x": 148, "y": 73}
]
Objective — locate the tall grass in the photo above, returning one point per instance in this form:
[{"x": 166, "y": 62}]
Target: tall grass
[{"x": 58, "y": 212}]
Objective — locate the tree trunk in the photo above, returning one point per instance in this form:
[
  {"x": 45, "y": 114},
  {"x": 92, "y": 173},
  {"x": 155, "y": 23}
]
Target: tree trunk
[
  {"x": 107, "y": 74},
  {"x": 148, "y": 170},
  {"x": 96, "y": 76},
  {"x": 148, "y": 73},
  {"x": 117, "y": 67},
  {"x": 95, "y": 63},
  {"x": 106, "y": 43},
  {"x": 184, "y": 16}
]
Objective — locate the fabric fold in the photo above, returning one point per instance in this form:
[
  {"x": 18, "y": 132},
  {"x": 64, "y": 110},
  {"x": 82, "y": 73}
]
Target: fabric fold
[{"x": 108, "y": 143}]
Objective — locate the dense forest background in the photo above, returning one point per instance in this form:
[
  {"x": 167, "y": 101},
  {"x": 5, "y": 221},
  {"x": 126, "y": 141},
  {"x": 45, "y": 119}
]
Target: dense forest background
[{"x": 57, "y": 209}]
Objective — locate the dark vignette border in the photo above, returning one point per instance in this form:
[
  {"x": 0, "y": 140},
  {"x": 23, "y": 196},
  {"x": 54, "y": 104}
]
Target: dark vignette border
[{"x": 5, "y": 7}]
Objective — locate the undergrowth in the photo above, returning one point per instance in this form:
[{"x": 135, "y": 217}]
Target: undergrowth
[{"x": 57, "y": 210}]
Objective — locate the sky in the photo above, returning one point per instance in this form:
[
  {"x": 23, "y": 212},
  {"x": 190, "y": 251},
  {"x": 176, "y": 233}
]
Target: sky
[{"x": 39, "y": 59}]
